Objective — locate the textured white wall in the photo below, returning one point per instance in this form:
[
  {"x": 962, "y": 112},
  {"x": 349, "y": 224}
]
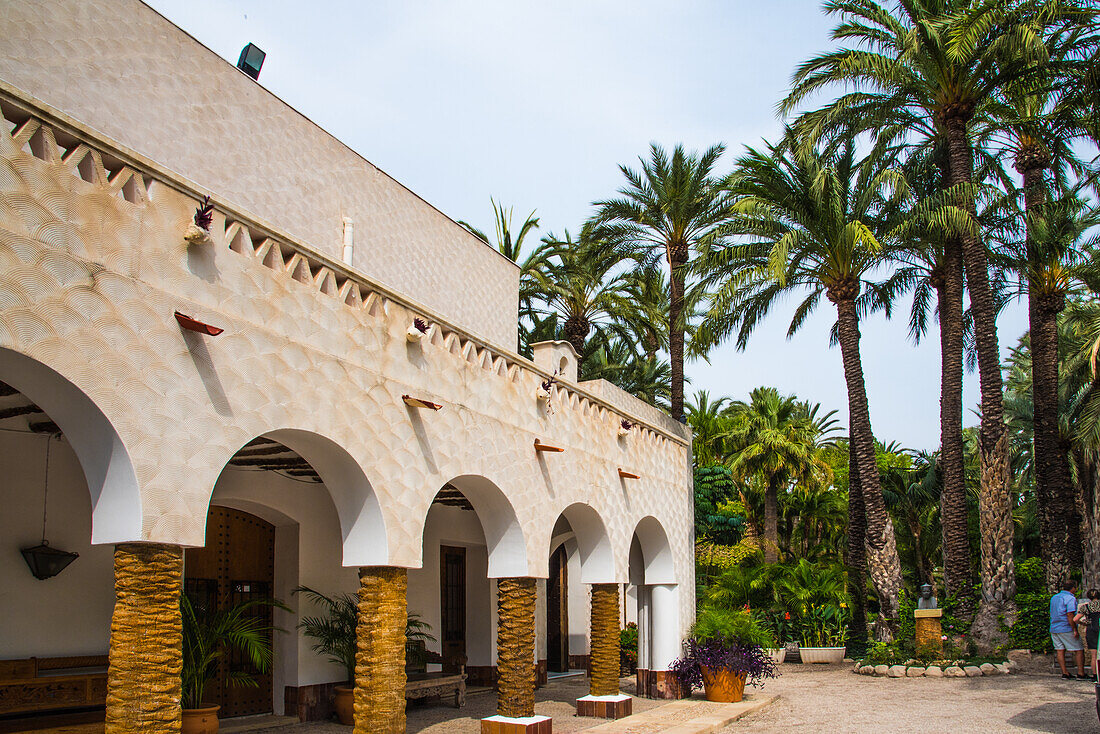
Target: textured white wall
[
  {"x": 123, "y": 69},
  {"x": 69, "y": 614}
]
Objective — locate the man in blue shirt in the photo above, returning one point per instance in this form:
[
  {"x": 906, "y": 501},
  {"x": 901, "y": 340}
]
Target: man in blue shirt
[{"x": 1063, "y": 632}]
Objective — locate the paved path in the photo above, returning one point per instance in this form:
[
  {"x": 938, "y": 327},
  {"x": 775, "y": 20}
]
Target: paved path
[{"x": 831, "y": 699}]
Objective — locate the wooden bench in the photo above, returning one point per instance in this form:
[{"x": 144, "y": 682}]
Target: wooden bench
[
  {"x": 36, "y": 685},
  {"x": 426, "y": 685}
]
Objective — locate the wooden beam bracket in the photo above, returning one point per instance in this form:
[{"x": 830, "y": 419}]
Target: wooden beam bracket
[
  {"x": 412, "y": 402},
  {"x": 623, "y": 474},
  {"x": 197, "y": 326},
  {"x": 540, "y": 446}
]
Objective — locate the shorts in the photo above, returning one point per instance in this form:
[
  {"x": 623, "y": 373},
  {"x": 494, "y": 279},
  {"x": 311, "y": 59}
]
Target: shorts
[{"x": 1066, "y": 641}]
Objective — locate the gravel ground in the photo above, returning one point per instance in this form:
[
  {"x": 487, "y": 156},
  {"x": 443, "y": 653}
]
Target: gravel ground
[
  {"x": 557, "y": 699},
  {"x": 833, "y": 699}
]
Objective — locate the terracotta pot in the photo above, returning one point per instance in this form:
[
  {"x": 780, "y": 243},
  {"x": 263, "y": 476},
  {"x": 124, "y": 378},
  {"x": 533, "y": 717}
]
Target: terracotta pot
[
  {"x": 345, "y": 705},
  {"x": 200, "y": 721},
  {"x": 723, "y": 686}
]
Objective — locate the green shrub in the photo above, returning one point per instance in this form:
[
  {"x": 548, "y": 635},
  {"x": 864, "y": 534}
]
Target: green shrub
[
  {"x": 628, "y": 649},
  {"x": 1032, "y": 628}
]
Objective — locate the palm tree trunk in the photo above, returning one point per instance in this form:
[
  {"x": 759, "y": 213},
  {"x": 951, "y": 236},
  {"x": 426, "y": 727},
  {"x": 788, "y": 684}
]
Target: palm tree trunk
[
  {"x": 677, "y": 259},
  {"x": 771, "y": 523},
  {"x": 998, "y": 570},
  {"x": 883, "y": 565},
  {"x": 1090, "y": 496},
  {"x": 1054, "y": 492},
  {"x": 857, "y": 556},
  {"x": 953, "y": 509},
  {"x": 576, "y": 330}
]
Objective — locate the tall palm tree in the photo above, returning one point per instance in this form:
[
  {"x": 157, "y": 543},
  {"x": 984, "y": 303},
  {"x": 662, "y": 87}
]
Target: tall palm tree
[
  {"x": 710, "y": 422},
  {"x": 772, "y": 437},
  {"x": 810, "y": 217},
  {"x": 670, "y": 207},
  {"x": 933, "y": 267},
  {"x": 928, "y": 67}
]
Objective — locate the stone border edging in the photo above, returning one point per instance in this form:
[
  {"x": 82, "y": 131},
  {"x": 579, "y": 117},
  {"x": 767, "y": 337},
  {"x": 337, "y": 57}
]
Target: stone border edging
[{"x": 935, "y": 671}]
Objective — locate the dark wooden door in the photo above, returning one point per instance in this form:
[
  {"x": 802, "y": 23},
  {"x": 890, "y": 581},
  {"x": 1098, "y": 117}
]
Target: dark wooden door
[
  {"x": 236, "y": 565},
  {"x": 452, "y": 599},
  {"x": 557, "y": 613}
]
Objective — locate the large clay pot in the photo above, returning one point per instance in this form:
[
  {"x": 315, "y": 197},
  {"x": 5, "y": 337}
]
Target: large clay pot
[
  {"x": 200, "y": 721},
  {"x": 723, "y": 686},
  {"x": 345, "y": 705}
]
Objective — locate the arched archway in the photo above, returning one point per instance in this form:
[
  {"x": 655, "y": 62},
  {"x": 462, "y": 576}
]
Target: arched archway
[
  {"x": 289, "y": 508},
  {"x": 657, "y": 596},
  {"x": 580, "y": 553},
  {"x": 104, "y": 459},
  {"x": 504, "y": 536}
]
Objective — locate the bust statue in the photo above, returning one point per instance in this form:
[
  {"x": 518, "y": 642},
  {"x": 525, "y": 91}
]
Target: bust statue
[{"x": 926, "y": 600}]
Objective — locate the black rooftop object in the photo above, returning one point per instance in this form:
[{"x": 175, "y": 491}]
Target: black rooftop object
[{"x": 252, "y": 58}]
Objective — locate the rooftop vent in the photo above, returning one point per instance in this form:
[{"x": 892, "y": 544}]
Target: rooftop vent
[{"x": 252, "y": 58}]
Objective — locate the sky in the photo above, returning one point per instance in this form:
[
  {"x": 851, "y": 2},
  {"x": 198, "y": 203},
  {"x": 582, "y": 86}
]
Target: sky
[{"x": 536, "y": 105}]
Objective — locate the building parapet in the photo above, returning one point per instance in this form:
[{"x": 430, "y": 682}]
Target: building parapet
[{"x": 56, "y": 138}]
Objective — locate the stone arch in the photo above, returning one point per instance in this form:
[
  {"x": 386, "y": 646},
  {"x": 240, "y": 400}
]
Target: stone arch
[
  {"x": 656, "y": 552},
  {"x": 104, "y": 458},
  {"x": 362, "y": 525},
  {"x": 593, "y": 542},
  {"x": 504, "y": 538}
]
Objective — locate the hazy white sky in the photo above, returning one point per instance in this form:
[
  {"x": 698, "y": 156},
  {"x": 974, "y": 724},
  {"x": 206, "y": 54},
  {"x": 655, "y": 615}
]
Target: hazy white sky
[{"x": 536, "y": 104}]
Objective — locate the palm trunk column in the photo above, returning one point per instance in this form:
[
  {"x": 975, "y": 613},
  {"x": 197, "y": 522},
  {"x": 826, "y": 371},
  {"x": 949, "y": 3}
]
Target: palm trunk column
[
  {"x": 515, "y": 661},
  {"x": 380, "y": 658},
  {"x": 604, "y": 700},
  {"x": 144, "y": 690}
]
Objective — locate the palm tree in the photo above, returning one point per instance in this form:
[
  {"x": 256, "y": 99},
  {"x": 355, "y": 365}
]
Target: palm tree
[
  {"x": 510, "y": 245},
  {"x": 934, "y": 269},
  {"x": 710, "y": 422},
  {"x": 1053, "y": 266},
  {"x": 772, "y": 437},
  {"x": 582, "y": 281},
  {"x": 927, "y": 67},
  {"x": 672, "y": 206},
  {"x": 618, "y": 361},
  {"x": 810, "y": 216}
]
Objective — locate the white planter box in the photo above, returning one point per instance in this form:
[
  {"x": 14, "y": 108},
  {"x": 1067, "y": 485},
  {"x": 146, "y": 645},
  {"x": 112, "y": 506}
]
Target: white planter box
[
  {"x": 822, "y": 654},
  {"x": 777, "y": 655}
]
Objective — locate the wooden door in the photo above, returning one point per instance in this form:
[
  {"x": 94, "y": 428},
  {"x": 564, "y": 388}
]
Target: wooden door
[
  {"x": 557, "y": 613},
  {"x": 236, "y": 565},
  {"x": 452, "y": 598}
]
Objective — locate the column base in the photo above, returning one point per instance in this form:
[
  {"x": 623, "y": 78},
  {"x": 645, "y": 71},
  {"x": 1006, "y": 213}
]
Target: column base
[
  {"x": 660, "y": 684},
  {"x": 605, "y": 707},
  {"x": 517, "y": 725}
]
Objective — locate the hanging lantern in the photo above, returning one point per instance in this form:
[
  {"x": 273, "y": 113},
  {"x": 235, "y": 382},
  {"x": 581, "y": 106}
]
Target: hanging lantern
[{"x": 46, "y": 562}]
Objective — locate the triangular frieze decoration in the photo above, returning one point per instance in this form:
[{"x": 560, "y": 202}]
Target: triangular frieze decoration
[
  {"x": 43, "y": 146},
  {"x": 21, "y": 136}
]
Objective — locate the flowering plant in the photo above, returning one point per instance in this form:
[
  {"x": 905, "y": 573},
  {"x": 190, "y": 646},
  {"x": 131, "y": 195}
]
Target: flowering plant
[{"x": 724, "y": 640}]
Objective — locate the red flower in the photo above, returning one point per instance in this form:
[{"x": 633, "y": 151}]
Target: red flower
[{"x": 786, "y": 615}]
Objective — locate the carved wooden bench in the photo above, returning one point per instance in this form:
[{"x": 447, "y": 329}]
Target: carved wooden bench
[
  {"x": 426, "y": 685},
  {"x": 34, "y": 685}
]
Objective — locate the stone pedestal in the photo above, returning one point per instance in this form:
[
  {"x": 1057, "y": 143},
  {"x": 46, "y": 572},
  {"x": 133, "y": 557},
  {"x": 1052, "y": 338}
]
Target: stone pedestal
[
  {"x": 929, "y": 633},
  {"x": 618, "y": 706},
  {"x": 516, "y": 725}
]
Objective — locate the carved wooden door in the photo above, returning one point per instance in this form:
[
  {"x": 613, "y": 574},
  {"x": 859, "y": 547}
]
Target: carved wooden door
[
  {"x": 236, "y": 565},
  {"x": 557, "y": 613},
  {"x": 452, "y": 598}
]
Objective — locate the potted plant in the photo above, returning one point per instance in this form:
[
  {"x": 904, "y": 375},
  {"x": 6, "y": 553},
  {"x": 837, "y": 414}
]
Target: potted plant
[
  {"x": 824, "y": 632},
  {"x": 334, "y": 632},
  {"x": 723, "y": 653},
  {"x": 778, "y": 625},
  {"x": 416, "y": 638},
  {"x": 206, "y": 637}
]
